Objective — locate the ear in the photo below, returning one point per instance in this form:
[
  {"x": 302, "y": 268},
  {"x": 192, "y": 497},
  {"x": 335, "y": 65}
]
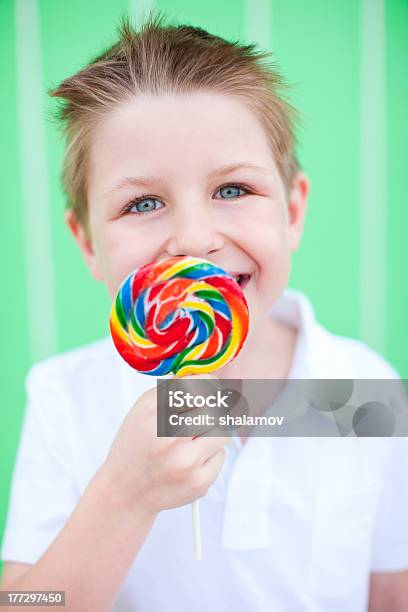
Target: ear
[
  {"x": 296, "y": 209},
  {"x": 84, "y": 243}
]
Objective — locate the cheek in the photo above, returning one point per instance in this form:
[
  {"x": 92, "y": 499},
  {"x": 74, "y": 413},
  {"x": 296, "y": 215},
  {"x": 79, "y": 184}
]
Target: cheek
[
  {"x": 270, "y": 249},
  {"x": 269, "y": 243},
  {"x": 120, "y": 253}
]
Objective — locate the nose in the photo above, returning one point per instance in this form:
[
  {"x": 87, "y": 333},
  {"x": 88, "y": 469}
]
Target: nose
[{"x": 194, "y": 233}]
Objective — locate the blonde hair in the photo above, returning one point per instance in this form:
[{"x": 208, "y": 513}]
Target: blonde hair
[{"x": 160, "y": 59}]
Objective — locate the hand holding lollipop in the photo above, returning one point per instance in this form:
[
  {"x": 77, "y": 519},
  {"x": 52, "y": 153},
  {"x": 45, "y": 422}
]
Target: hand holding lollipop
[{"x": 181, "y": 315}]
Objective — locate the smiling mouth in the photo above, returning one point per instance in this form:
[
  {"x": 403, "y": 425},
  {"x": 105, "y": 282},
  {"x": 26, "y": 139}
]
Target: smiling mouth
[{"x": 242, "y": 279}]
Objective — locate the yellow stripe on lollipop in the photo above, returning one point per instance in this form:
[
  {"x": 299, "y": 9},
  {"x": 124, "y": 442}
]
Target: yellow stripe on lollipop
[
  {"x": 129, "y": 333},
  {"x": 197, "y": 351},
  {"x": 198, "y": 286},
  {"x": 174, "y": 269},
  {"x": 140, "y": 340},
  {"x": 202, "y": 306},
  {"x": 118, "y": 326}
]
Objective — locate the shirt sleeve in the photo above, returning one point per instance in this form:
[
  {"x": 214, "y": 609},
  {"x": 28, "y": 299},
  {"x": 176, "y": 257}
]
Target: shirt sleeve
[
  {"x": 390, "y": 543},
  {"x": 43, "y": 492}
]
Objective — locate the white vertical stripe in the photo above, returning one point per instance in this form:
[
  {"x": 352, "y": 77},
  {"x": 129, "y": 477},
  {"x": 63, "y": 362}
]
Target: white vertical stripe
[
  {"x": 373, "y": 221},
  {"x": 258, "y": 22},
  {"x": 138, "y": 10},
  {"x": 39, "y": 269}
]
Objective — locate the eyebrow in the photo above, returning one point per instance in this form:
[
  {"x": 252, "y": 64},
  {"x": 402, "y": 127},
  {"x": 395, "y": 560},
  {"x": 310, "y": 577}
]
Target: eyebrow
[{"x": 146, "y": 181}]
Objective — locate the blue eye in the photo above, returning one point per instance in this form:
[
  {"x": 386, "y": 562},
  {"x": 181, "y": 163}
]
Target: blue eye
[
  {"x": 144, "y": 205},
  {"x": 231, "y": 190}
]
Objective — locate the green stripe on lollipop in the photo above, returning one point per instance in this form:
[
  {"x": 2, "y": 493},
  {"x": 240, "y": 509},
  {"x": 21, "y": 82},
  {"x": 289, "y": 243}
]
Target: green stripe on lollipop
[{"x": 119, "y": 312}]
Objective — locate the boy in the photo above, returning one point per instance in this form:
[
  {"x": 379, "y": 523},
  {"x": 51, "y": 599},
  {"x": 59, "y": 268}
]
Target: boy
[{"x": 178, "y": 144}]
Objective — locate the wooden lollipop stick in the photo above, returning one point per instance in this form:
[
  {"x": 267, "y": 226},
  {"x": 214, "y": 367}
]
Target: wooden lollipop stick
[
  {"x": 196, "y": 530},
  {"x": 195, "y": 510}
]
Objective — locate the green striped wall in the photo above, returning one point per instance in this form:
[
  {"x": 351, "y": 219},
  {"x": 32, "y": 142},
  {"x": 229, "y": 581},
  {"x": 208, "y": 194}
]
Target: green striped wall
[{"x": 348, "y": 64}]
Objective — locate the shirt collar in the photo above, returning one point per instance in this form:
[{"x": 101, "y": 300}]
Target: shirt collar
[
  {"x": 317, "y": 354},
  {"x": 294, "y": 309}
]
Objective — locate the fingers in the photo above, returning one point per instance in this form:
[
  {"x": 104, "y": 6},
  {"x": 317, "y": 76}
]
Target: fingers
[
  {"x": 202, "y": 449},
  {"x": 195, "y": 453},
  {"x": 212, "y": 467}
]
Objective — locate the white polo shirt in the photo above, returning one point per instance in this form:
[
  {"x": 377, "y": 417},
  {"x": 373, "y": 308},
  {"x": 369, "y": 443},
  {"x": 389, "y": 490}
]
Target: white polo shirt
[{"x": 289, "y": 523}]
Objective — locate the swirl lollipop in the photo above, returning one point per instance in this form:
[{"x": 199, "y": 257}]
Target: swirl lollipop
[{"x": 181, "y": 315}]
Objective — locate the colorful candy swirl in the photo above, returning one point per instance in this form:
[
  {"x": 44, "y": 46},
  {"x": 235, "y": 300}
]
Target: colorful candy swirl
[{"x": 181, "y": 315}]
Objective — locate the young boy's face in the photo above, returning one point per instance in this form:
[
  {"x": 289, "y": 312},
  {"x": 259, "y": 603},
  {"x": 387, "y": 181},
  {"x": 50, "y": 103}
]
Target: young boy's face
[{"x": 238, "y": 218}]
